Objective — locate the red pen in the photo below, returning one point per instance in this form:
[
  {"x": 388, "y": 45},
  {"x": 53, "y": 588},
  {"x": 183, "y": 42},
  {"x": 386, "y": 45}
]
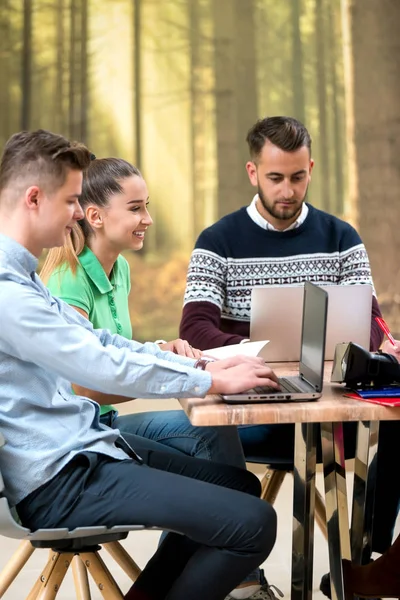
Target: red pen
[{"x": 383, "y": 325}]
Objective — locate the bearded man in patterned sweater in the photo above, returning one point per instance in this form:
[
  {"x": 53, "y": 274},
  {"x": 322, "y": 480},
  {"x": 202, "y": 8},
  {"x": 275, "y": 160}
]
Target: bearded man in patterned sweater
[{"x": 278, "y": 239}]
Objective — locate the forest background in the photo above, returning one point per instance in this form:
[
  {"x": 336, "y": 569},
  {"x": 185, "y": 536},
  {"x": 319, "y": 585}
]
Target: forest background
[{"x": 174, "y": 85}]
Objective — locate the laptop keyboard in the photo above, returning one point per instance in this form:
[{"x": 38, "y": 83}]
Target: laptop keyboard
[{"x": 285, "y": 384}]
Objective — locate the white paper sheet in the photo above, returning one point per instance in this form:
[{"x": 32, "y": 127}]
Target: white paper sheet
[{"x": 248, "y": 349}]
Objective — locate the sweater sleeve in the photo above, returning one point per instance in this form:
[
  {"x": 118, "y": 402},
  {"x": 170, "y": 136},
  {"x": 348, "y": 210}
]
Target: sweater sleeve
[
  {"x": 355, "y": 268},
  {"x": 200, "y": 326},
  {"x": 376, "y": 333},
  {"x": 205, "y": 294}
]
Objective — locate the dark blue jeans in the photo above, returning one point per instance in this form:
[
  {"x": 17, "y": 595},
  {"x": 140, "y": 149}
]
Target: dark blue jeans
[{"x": 222, "y": 530}]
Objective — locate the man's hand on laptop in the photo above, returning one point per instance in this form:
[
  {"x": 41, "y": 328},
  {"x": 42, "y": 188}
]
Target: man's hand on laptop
[{"x": 240, "y": 373}]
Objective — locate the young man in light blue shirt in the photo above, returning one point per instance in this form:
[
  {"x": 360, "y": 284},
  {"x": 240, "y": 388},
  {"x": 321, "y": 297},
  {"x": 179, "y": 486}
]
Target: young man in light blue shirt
[{"x": 61, "y": 467}]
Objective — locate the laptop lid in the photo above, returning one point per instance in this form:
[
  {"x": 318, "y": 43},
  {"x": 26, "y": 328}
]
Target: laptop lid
[
  {"x": 276, "y": 314},
  {"x": 313, "y": 334},
  {"x": 307, "y": 385}
]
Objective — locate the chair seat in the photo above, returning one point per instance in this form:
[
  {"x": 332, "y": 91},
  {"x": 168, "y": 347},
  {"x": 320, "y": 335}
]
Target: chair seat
[
  {"x": 282, "y": 464},
  {"x": 10, "y": 528}
]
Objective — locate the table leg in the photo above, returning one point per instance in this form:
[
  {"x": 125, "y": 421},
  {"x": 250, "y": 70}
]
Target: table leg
[
  {"x": 303, "y": 510},
  {"x": 336, "y": 503},
  {"x": 364, "y": 490}
]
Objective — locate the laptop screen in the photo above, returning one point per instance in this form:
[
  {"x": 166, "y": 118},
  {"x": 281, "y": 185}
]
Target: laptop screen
[{"x": 315, "y": 309}]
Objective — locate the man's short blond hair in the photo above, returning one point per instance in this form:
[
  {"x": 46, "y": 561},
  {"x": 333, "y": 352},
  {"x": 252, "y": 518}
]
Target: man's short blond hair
[{"x": 40, "y": 158}]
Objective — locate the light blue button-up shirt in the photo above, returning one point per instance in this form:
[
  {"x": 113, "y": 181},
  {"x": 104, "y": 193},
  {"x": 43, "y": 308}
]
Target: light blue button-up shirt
[{"x": 45, "y": 345}]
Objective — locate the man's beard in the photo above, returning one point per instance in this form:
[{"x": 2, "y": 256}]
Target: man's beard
[{"x": 281, "y": 216}]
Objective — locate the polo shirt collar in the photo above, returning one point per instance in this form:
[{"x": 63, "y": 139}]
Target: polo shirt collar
[{"x": 93, "y": 268}]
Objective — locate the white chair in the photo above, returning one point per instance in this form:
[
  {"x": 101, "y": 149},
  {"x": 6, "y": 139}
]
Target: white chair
[{"x": 78, "y": 547}]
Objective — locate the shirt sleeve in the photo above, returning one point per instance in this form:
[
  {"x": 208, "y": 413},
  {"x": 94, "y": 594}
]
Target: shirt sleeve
[
  {"x": 59, "y": 340},
  {"x": 72, "y": 288}
]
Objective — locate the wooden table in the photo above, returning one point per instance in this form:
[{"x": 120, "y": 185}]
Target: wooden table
[{"x": 330, "y": 411}]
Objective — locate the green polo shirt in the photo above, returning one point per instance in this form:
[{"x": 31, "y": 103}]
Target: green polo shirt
[{"x": 105, "y": 300}]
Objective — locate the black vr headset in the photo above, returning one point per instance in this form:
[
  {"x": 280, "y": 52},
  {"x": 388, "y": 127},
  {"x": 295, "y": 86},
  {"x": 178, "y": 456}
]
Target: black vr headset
[{"x": 357, "y": 367}]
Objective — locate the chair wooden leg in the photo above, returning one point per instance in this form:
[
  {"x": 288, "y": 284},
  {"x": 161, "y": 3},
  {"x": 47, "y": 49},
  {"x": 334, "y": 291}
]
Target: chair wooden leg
[
  {"x": 15, "y": 565},
  {"x": 320, "y": 514},
  {"x": 271, "y": 484},
  {"x": 102, "y": 576},
  {"x": 81, "y": 579},
  {"x": 50, "y": 585},
  {"x": 121, "y": 556},
  {"x": 43, "y": 576}
]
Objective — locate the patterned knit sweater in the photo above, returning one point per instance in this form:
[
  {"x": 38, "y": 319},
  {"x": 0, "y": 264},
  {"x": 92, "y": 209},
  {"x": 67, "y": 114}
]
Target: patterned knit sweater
[{"x": 235, "y": 254}]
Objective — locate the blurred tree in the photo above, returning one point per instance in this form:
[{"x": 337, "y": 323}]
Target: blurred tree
[
  {"x": 372, "y": 49},
  {"x": 324, "y": 159},
  {"x": 5, "y": 71},
  {"x": 297, "y": 63},
  {"x": 137, "y": 80},
  {"x": 336, "y": 101},
  {"x": 78, "y": 70},
  {"x": 59, "y": 108},
  {"x": 26, "y": 79},
  {"x": 235, "y": 98},
  {"x": 200, "y": 65}
]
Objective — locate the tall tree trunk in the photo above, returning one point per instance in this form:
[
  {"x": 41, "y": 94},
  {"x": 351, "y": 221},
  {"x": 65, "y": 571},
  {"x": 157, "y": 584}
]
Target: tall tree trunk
[
  {"x": 373, "y": 26},
  {"x": 26, "y": 79},
  {"x": 337, "y": 105},
  {"x": 198, "y": 109},
  {"x": 84, "y": 74},
  {"x": 245, "y": 89},
  {"x": 297, "y": 63},
  {"x": 5, "y": 72},
  {"x": 73, "y": 69},
  {"x": 235, "y": 98},
  {"x": 59, "y": 115},
  {"x": 322, "y": 104},
  {"x": 137, "y": 80},
  {"x": 78, "y": 70}
]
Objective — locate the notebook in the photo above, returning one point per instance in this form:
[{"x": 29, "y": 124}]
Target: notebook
[
  {"x": 276, "y": 316},
  {"x": 307, "y": 385}
]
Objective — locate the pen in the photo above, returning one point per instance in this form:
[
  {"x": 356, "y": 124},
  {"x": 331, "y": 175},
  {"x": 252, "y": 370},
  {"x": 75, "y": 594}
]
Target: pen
[{"x": 382, "y": 324}]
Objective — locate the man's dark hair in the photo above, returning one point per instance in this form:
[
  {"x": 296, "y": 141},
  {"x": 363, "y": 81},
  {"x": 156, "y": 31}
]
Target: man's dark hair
[
  {"x": 41, "y": 157},
  {"x": 286, "y": 133}
]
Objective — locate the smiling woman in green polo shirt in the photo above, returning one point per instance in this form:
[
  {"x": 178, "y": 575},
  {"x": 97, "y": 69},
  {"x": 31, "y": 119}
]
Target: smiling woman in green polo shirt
[{"x": 90, "y": 274}]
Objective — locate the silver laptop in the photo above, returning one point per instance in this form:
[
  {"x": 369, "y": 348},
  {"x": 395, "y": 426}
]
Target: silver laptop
[
  {"x": 307, "y": 385},
  {"x": 276, "y": 316}
]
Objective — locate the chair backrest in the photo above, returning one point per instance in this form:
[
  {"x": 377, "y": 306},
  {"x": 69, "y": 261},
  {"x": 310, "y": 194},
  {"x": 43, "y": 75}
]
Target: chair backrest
[{"x": 9, "y": 527}]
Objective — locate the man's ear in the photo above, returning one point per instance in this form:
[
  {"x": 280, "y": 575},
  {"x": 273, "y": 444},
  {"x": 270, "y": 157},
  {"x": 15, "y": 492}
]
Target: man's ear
[
  {"x": 32, "y": 197},
  {"x": 93, "y": 216},
  {"x": 252, "y": 172},
  {"x": 311, "y": 168}
]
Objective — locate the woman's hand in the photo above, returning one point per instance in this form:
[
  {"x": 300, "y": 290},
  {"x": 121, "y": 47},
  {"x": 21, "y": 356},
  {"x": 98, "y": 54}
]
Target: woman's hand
[
  {"x": 389, "y": 349},
  {"x": 181, "y": 347}
]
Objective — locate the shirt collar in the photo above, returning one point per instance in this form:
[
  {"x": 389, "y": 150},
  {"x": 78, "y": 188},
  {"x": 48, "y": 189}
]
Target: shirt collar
[
  {"x": 20, "y": 258},
  {"x": 261, "y": 222},
  {"x": 93, "y": 268}
]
